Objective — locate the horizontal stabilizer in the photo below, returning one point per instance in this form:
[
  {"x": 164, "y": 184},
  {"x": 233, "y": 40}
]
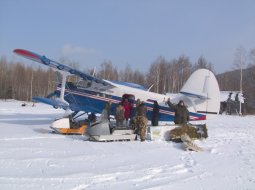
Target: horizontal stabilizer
[
  {"x": 200, "y": 96},
  {"x": 54, "y": 103}
]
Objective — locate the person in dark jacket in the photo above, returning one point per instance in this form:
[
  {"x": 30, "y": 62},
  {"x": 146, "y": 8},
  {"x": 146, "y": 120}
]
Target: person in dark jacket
[
  {"x": 155, "y": 114},
  {"x": 181, "y": 112},
  {"x": 105, "y": 115},
  {"x": 141, "y": 120},
  {"x": 120, "y": 115}
]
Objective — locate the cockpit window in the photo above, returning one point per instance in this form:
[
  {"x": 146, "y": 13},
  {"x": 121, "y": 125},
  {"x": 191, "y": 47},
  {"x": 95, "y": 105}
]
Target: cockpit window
[
  {"x": 84, "y": 84},
  {"x": 70, "y": 85}
]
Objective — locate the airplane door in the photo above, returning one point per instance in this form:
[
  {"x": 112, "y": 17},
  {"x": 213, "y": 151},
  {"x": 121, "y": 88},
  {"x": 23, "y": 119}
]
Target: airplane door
[{"x": 130, "y": 97}]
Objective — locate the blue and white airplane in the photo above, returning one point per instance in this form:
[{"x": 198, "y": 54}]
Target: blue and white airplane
[{"x": 200, "y": 93}]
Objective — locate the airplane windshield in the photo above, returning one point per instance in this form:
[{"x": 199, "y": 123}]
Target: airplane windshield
[
  {"x": 84, "y": 84},
  {"x": 130, "y": 97},
  {"x": 70, "y": 85}
]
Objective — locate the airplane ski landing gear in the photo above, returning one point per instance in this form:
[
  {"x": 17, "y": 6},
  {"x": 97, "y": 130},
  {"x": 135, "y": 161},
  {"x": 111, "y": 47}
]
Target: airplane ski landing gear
[
  {"x": 98, "y": 131},
  {"x": 64, "y": 126}
]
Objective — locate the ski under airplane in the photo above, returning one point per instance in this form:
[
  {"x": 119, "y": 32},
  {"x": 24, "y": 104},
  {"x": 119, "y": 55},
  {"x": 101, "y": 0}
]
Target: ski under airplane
[{"x": 200, "y": 93}]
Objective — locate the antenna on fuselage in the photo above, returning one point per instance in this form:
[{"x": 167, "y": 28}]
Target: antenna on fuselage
[
  {"x": 149, "y": 89},
  {"x": 94, "y": 72}
]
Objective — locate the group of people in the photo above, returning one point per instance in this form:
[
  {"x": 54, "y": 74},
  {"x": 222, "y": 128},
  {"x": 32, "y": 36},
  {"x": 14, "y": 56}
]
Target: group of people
[
  {"x": 181, "y": 112},
  {"x": 123, "y": 113},
  {"x": 132, "y": 116},
  {"x": 127, "y": 115}
]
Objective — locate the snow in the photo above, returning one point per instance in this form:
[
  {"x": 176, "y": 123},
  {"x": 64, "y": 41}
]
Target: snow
[{"x": 33, "y": 158}]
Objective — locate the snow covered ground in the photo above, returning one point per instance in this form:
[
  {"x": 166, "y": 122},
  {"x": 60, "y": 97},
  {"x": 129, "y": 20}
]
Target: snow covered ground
[{"x": 33, "y": 158}]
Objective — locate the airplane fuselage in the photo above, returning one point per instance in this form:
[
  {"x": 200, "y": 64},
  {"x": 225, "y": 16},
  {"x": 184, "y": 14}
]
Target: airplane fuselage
[{"x": 91, "y": 99}]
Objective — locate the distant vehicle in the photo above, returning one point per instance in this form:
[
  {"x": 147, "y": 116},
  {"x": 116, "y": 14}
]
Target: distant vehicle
[{"x": 200, "y": 93}]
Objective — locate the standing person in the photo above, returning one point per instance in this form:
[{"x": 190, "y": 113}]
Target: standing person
[
  {"x": 134, "y": 114},
  {"x": 106, "y": 112},
  {"x": 138, "y": 102},
  {"x": 237, "y": 97},
  {"x": 127, "y": 107},
  {"x": 141, "y": 120},
  {"x": 132, "y": 109},
  {"x": 119, "y": 115},
  {"x": 155, "y": 114},
  {"x": 181, "y": 112}
]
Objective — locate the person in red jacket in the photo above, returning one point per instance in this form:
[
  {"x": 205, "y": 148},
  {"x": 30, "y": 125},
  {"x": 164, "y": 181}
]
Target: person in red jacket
[{"x": 127, "y": 107}]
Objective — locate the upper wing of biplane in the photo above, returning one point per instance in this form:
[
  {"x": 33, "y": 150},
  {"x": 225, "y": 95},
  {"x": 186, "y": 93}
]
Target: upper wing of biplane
[{"x": 60, "y": 67}]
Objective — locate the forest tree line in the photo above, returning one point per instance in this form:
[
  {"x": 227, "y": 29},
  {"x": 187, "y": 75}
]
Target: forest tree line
[{"x": 22, "y": 82}]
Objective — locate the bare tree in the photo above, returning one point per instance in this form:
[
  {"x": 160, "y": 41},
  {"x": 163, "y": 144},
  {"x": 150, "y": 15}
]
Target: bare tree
[
  {"x": 240, "y": 62},
  {"x": 154, "y": 76},
  {"x": 252, "y": 58},
  {"x": 202, "y": 63},
  {"x": 108, "y": 71},
  {"x": 126, "y": 74},
  {"x": 240, "y": 58}
]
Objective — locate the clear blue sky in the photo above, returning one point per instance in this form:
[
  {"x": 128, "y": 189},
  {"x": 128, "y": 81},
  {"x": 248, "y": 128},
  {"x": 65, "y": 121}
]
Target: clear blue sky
[{"x": 133, "y": 32}]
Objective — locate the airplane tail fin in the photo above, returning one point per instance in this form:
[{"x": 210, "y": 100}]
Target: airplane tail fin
[{"x": 202, "y": 92}]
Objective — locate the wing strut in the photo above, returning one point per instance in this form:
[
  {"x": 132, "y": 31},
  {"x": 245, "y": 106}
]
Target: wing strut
[{"x": 63, "y": 86}]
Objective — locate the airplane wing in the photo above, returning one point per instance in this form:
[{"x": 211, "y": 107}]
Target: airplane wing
[
  {"x": 54, "y": 103},
  {"x": 59, "y": 104},
  {"x": 58, "y": 66}
]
